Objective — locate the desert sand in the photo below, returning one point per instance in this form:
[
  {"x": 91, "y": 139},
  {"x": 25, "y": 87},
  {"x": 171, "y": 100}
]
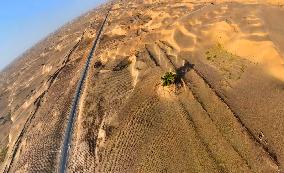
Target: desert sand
[{"x": 224, "y": 114}]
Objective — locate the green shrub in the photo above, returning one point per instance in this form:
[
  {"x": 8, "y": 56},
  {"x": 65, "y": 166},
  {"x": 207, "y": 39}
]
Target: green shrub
[{"x": 169, "y": 78}]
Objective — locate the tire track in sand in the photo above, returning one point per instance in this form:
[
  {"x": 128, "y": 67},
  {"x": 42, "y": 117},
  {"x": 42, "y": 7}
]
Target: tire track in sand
[{"x": 222, "y": 121}]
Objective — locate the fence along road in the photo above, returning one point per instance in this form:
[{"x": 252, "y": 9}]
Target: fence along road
[{"x": 68, "y": 133}]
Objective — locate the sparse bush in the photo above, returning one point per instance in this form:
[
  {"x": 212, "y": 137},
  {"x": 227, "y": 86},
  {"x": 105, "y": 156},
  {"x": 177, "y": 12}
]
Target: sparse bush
[
  {"x": 122, "y": 65},
  {"x": 169, "y": 78},
  {"x": 98, "y": 64}
]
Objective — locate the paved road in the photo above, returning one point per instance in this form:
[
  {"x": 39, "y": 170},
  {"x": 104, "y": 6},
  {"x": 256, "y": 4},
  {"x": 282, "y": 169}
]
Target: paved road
[{"x": 68, "y": 133}]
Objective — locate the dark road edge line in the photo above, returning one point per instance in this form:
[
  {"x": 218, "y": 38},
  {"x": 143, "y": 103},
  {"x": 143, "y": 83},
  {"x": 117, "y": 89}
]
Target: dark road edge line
[
  {"x": 74, "y": 108},
  {"x": 37, "y": 103}
]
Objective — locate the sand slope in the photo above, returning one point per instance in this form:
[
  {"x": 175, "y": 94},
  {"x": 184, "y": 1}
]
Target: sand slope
[
  {"x": 224, "y": 115},
  {"x": 201, "y": 126}
]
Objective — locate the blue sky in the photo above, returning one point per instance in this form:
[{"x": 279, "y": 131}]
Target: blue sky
[{"x": 25, "y": 22}]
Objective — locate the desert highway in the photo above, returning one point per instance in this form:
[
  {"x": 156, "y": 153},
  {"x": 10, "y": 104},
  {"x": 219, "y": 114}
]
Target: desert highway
[{"x": 68, "y": 132}]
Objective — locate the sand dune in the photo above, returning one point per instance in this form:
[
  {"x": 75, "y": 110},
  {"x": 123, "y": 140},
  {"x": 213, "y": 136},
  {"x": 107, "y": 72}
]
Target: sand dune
[{"x": 224, "y": 114}]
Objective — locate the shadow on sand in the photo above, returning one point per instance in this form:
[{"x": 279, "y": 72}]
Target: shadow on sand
[{"x": 181, "y": 71}]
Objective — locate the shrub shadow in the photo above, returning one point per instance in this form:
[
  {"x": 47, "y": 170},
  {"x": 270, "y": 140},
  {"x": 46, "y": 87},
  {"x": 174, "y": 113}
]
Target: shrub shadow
[{"x": 181, "y": 71}]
